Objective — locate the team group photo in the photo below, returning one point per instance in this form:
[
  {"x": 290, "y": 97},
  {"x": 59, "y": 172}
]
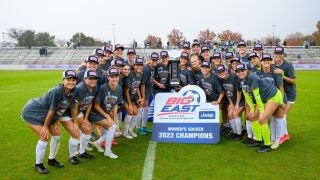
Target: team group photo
[{"x": 190, "y": 99}]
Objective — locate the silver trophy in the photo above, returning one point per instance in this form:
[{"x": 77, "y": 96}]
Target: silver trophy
[{"x": 174, "y": 67}]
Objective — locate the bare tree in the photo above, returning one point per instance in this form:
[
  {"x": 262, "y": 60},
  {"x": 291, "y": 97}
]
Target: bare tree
[
  {"x": 175, "y": 37},
  {"x": 316, "y": 34},
  {"x": 206, "y": 36},
  {"x": 228, "y": 35},
  {"x": 153, "y": 41},
  {"x": 294, "y": 39}
]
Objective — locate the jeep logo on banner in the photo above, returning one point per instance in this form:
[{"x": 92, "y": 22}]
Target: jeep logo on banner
[{"x": 185, "y": 117}]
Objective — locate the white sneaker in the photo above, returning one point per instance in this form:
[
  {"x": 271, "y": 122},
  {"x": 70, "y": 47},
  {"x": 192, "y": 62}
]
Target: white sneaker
[
  {"x": 274, "y": 145},
  {"x": 133, "y": 134},
  {"x": 110, "y": 155},
  {"x": 89, "y": 148},
  {"x": 127, "y": 136},
  {"x": 98, "y": 146}
]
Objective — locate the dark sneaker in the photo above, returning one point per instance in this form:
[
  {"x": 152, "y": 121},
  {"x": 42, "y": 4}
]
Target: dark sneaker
[
  {"x": 247, "y": 140},
  {"x": 264, "y": 148},
  {"x": 53, "y": 162},
  {"x": 40, "y": 168},
  {"x": 145, "y": 129},
  {"x": 141, "y": 131},
  {"x": 74, "y": 160},
  {"x": 255, "y": 143},
  {"x": 236, "y": 137},
  {"x": 86, "y": 156},
  {"x": 244, "y": 132}
]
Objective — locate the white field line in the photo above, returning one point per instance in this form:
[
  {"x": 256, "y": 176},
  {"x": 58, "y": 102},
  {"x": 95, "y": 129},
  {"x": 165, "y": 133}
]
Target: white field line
[
  {"x": 148, "y": 167},
  {"x": 22, "y": 90},
  {"x": 305, "y": 90}
]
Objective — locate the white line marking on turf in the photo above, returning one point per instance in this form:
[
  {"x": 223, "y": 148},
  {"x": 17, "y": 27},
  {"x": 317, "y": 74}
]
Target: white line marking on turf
[
  {"x": 23, "y": 90},
  {"x": 308, "y": 91},
  {"x": 147, "y": 172}
]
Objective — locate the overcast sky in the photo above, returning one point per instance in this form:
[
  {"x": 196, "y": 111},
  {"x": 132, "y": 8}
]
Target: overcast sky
[{"x": 135, "y": 19}]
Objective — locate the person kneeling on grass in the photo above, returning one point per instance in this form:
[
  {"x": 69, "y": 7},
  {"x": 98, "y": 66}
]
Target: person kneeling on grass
[
  {"x": 105, "y": 109},
  {"x": 263, "y": 92},
  {"x": 41, "y": 115}
]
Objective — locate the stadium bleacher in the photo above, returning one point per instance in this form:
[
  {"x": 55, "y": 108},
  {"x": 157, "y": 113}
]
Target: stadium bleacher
[{"x": 20, "y": 56}]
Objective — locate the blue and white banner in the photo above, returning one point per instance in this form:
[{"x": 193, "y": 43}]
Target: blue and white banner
[{"x": 185, "y": 117}]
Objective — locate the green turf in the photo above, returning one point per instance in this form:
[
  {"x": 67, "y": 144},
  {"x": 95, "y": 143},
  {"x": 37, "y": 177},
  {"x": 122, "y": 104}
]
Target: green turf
[{"x": 296, "y": 159}]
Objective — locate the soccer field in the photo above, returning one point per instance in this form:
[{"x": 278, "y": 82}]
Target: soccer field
[{"x": 296, "y": 159}]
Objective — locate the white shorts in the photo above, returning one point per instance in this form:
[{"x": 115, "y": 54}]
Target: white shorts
[{"x": 68, "y": 118}]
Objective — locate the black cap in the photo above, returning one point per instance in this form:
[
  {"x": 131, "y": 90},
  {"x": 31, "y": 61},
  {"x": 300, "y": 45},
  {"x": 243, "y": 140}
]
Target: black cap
[
  {"x": 131, "y": 51},
  {"x": 266, "y": 56},
  {"x": 113, "y": 71},
  {"x": 186, "y": 46},
  {"x": 118, "y": 62},
  {"x": 229, "y": 55},
  {"x": 204, "y": 48},
  {"x": 257, "y": 47},
  {"x": 242, "y": 43},
  {"x": 91, "y": 74},
  {"x": 251, "y": 55},
  {"x": 164, "y": 54},
  {"x": 107, "y": 49},
  {"x": 235, "y": 59},
  {"x": 118, "y": 46},
  {"x": 205, "y": 64},
  {"x": 221, "y": 68},
  {"x": 154, "y": 56},
  {"x": 184, "y": 55},
  {"x": 98, "y": 52},
  {"x": 195, "y": 42},
  {"x": 92, "y": 58},
  {"x": 241, "y": 67},
  {"x": 279, "y": 49},
  {"x": 138, "y": 61},
  {"x": 69, "y": 74},
  {"x": 216, "y": 55}
]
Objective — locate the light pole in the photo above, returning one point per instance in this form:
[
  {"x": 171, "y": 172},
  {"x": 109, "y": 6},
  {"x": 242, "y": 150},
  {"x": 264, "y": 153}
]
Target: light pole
[
  {"x": 4, "y": 41},
  {"x": 274, "y": 27},
  {"x": 114, "y": 36}
]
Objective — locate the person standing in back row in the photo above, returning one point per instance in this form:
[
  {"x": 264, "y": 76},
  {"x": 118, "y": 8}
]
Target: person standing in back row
[{"x": 289, "y": 84}]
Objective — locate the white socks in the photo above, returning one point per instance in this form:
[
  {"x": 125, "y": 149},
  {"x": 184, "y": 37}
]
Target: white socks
[
  {"x": 73, "y": 146},
  {"x": 54, "y": 146},
  {"x": 145, "y": 117},
  {"x": 119, "y": 119},
  {"x": 84, "y": 139},
  {"x": 109, "y": 136},
  {"x": 40, "y": 151},
  {"x": 280, "y": 128},
  {"x": 238, "y": 125},
  {"x": 127, "y": 121},
  {"x": 272, "y": 125},
  {"x": 132, "y": 123},
  {"x": 138, "y": 117},
  {"x": 249, "y": 129},
  {"x": 285, "y": 124},
  {"x": 233, "y": 125}
]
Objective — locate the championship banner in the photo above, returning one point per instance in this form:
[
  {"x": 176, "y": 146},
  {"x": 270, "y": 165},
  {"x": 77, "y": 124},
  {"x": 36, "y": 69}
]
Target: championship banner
[{"x": 185, "y": 117}]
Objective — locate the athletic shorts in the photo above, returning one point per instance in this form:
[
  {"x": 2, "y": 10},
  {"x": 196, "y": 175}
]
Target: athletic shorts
[
  {"x": 277, "y": 98},
  {"x": 68, "y": 118},
  {"x": 35, "y": 118},
  {"x": 95, "y": 118}
]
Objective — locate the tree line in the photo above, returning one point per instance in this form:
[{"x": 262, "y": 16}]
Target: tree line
[{"x": 29, "y": 38}]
